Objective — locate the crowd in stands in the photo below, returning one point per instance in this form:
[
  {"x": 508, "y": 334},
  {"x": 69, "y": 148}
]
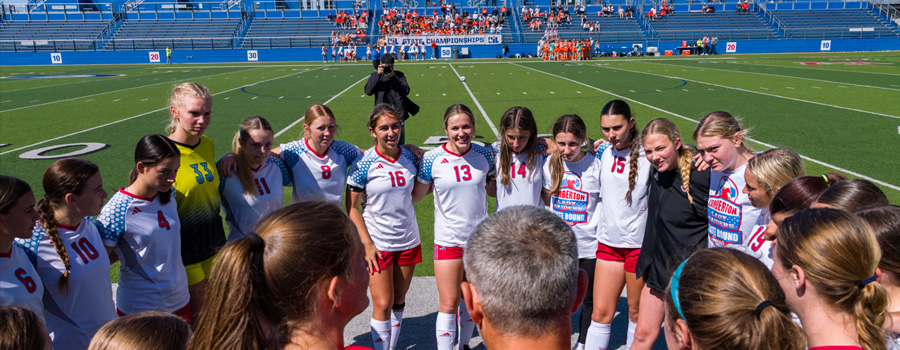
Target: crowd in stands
[
  {"x": 355, "y": 20},
  {"x": 450, "y": 21}
]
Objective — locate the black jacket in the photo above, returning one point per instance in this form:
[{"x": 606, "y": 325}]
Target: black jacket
[
  {"x": 675, "y": 226},
  {"x": 392, "y": 90}
]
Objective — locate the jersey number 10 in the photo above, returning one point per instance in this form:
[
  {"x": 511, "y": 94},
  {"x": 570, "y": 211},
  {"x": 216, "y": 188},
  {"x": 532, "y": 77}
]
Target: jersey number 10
[{"x": 85, "y": 250}]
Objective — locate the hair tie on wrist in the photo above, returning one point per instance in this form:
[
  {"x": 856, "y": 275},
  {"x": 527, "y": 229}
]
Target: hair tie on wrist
[
  {"x": 257, "y": 244},
  {"x": 759, "y": 308},
  {"x": 866, "y": 281}
]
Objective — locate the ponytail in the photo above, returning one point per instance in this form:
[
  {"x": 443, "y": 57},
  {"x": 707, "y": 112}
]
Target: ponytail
[
  {"x": 685, "y": 159},
  {"x": 634, "y": 154},
  {"x": 870, "y": 313},
  {"x": 556, "y": 171},
  {"x": 49, "y": 223}
]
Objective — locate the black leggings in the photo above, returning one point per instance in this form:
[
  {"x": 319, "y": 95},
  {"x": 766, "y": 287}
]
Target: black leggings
[{"x": 587, "y": 306}]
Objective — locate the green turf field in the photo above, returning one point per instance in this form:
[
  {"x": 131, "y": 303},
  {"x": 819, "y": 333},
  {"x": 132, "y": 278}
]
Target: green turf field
[{"x": 841, "y": 114}]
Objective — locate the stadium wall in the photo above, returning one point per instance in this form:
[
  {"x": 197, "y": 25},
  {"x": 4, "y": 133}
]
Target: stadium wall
[{"x": 482, "y": 51}]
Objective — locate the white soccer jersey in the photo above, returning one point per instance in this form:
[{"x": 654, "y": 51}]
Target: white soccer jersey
[
  {"x": 460, "y": 199},
  {"x": 243, "y": 211},
  {"x": 525, "y": 184},
  {"x": 74, "y": 317},
  {"x": 756, "y": 244},
  {"x": 577, "y": 201},
  {"x": 389, "y": 214},
  {"x": 624, "y": 221},
  {"x": 20, "y": 284},
  {"x": 147, "y": 237},
  {"x": 318, "y": 176},
  {"x": 731, "y": 216}
]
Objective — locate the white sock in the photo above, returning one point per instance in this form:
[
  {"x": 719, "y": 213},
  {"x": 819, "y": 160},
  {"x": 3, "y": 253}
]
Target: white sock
[
  {"x": 445, "y": 330},
  {"x": 396, "y": 321},
  {"x": 466, "y": 325},
  {"x": 381, "y": 334},
  {"x": 629, "y": 339},
  {"x": 597, "y": 336}
]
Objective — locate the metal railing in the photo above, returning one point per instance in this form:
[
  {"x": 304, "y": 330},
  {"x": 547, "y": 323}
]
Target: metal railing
[{"x": 832, "y": 33}]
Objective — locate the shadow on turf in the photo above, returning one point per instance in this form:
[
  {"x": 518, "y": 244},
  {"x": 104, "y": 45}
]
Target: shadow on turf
[{"x": 418, "y": 332}]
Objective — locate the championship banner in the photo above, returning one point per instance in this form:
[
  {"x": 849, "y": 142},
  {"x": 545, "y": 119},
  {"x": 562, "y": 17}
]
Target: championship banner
[{"x": 442, "y": 40}]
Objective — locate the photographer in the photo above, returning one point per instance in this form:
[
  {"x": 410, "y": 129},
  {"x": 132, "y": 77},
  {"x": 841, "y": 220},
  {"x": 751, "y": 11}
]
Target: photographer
[{"x": 390, "y": 86}]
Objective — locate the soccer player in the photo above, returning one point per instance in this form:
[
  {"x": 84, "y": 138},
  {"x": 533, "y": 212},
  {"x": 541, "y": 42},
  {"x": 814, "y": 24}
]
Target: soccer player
[
  {"x": 677, "y": 223},
  {"x": 572, "y": 178},
  {"x": 19, "y": 282},
  {"x": 196, "y": 186},
  {"x": 520, "y": 180},
  {"x": 388, "y": 229},
  {"x": 68, "y": 254},
  {"x": 765, "y": 174},
  {"x": 256, "y": 187},
  {"x": 319, "y": 162},
  {"x": 720, "y": 140},
  {"x": 140, "y": 224},
  {"x": 459, "y": 172},
  {"x": 624, "y": 179}
]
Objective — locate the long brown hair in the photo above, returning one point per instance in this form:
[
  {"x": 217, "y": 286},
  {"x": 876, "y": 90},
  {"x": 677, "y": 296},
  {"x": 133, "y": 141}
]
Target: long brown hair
[
  {"x": 619, "y": 107},
  {"x": 382, "y": 110},
  {"x": 21, "y": 329},
  {"x": 838, "y": 252},
  {"x": 665, "y": 127},
  {"x": 264, "y": 285},
  {"x": 569, "y": 123},
  {"x": 719, "y": 293},
  {"x": 150, "y": 330},
  {"x": 522, "y": 119},
  {"x": 243, "y": 171},
  {"x": 67, "y": 175}
]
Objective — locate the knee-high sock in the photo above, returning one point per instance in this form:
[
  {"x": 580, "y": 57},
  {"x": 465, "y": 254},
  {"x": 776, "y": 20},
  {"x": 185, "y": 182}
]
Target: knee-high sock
[
  {"x": 381, "y": 334},
  {"x": 466, "y": 325},
  {"x": 630, "y": 337},
  {"x": 445, "y": 330},
  {"x": 597, "y": 336},
  {"x": 396, "y": 321}
]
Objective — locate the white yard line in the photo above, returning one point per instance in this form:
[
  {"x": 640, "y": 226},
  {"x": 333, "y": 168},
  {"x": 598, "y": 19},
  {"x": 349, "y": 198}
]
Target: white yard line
[
  {"x": 885, "y": 184},
  {"x": 777, "y": 75},
  {"x": 110, "y": 92},
  {"x": 326, "y": 102},
  {"x": 137, "y": 116},
  {"x": 477, "y": 104},
  {"x": 757, "y": 92},
  {"x": 808, "y": 67}
]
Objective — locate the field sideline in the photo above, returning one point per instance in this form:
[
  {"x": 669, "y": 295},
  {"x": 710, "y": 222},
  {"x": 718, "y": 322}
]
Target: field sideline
[{"x": 840, "y": 113}]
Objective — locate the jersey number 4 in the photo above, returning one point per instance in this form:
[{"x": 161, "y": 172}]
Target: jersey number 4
[
  {"x": 85, "y": 250},
  {"x": 162, "y": 220},
  {"x": 200, "y": 176}
]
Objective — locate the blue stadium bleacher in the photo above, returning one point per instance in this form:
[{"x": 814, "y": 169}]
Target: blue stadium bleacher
[
  {"x": 177, "y": 34},
  {"x": 606, "y": 29},
  {"x": 727, "y": 26},
  {"x": 289, "y": 32},
  {"x": 50, "y": 35},
  {"x": 806, "y": 24}
]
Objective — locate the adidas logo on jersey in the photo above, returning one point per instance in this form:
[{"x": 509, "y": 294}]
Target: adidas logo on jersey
[
  {"x": 135, "y": 211},
  {"x": 445, "y": 161},
  {"x": 379, "y": 167},
  {"x": 446, "y": 334}
]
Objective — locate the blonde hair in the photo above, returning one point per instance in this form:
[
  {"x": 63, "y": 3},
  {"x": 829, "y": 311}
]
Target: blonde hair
[
  {"x": 665, "y": 127},
  {"x": 569, "y": 123},
  {"x": 151, "y": 330},
  {"x": 179, "y": 92},
  {"x": 314, "y": 112},
  {"x": 243, "y": 171},
  {"x": 775, "y": 167},
  {"x": 720, "y": 291},
  {"x": 722, "y": 124},
  {"x": 838, "y": 253}
]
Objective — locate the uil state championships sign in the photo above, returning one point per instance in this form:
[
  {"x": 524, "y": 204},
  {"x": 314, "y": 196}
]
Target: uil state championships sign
[{"x": 444, "y": 40}]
